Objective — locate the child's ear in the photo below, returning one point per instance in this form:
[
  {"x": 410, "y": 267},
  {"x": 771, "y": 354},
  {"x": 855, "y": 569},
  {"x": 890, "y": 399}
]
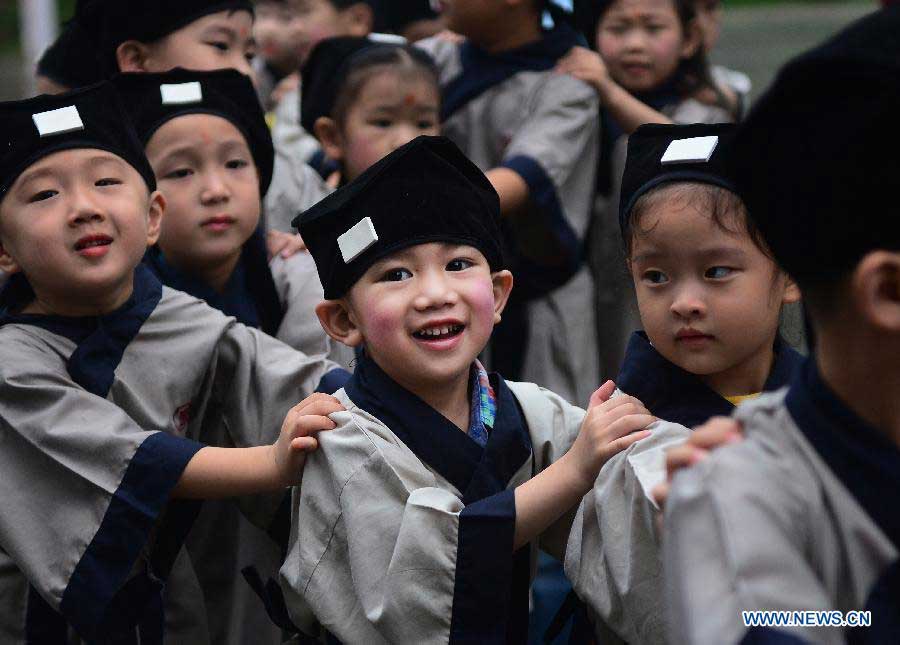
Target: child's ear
[
  {"x": 329, "y": 135},
  {"x": 693, "y": 39},
  {"x": 358, "y": 19},
  {"x": 337, "y": 321},
  {"x": 7, "y": 263},
  {"x": 876, "y": 289},
  {"x": 155, "y": 212},
  {"x": 791, "y": 291},
  {"x": 131, "y": 56},
  {"x": 503, "y": 284}
]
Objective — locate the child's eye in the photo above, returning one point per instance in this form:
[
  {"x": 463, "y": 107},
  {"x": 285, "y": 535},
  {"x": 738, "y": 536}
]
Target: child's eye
[
  {"x": 42, "y": 195},
  {"x": 236, "y": 164},
  {"x": 179, "y": 173},
  {"x": 426, "y": 124},
  {"x": 655, "y": 277},
  {"x": 717, "y": 273},
  {"x": 459, "y": 264},
  {"x": 107, "y": 181},
  {"x": 221, "y": 45},
  {"x": 382, "y": 123},
  {"x": 396, "y": 275}
]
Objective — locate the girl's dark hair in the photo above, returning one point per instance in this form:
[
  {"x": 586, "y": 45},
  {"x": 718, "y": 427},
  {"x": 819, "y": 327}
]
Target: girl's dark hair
[
  {"x": 692, "y": 74},
  {"x": 374, "y": 60},
  {"x": 725, "y": 208}
]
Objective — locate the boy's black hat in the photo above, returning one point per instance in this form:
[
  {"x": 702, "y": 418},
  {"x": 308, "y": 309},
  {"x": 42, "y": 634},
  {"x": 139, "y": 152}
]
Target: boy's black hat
[
  {"x": 90, "y": 117},
  {"x": 327, "y": 67},
  {"x": 152, "y": 100},
  {"x": 71, "y": 61},
  {"x": 817, "y": 162},
  {"x": 425, "y": 191},
  {"x": 112, "y": 22},
  {"x": 659, "y": 154},
  {"x": 401, "y": 13}
]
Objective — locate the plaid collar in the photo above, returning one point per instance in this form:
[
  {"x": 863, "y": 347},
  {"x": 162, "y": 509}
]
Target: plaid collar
[{"x": 483, "y": 407}]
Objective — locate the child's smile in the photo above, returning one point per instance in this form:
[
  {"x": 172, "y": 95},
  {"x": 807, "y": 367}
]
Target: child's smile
[{"x": 425, "y": 313}]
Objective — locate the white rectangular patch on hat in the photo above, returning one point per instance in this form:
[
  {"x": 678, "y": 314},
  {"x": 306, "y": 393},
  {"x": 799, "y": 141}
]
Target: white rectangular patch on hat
[
  {"x": 357, "y": 239},
  {"x": 181, "y": 93},
  {"x": 694, "y": 150},
  {"x": 58, "y": 121}
]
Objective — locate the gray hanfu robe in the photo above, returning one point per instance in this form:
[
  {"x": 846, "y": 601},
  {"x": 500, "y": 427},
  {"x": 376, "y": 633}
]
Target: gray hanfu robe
[
  {"x": 512, "y": 110},
  {"x": 801, "y": 515},
  {"x": 98, "y": 419},
  {"x": 402, "y": 528}
]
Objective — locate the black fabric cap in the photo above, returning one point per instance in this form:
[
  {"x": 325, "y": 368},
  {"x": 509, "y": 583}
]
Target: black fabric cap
[
  {"x": 644, "y": 169},
  {"x": 818, "y": 159},
  {"x": 226, "y": 93},
  {"x": 325, "y": 71},
  {"x": 401, "y": 13},
  {"x": 71, "y": 60},
  {"x": 104, "y": 126},
  {"x": 112, "y": 22},
  {"x": 425, "y": 191}
]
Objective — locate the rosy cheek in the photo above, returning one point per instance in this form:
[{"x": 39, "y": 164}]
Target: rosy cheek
[
  {"x": 481, "y": 299},
  {"x": 381, "y": 324}
]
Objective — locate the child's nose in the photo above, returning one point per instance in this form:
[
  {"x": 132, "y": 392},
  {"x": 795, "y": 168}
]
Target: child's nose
[
  {"x": 215, "y": 188},
  {"x": 85, "y": 209},
  {"x": 434, "y": 291},
  {"x": 689, "y": 303}
]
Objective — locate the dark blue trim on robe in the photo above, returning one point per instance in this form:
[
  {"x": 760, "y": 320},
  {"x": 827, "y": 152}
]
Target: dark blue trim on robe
[
  {"x": 101, "y": 340},
  {"x": 867, "y": 463},
  {"x": 250, "y": 295},
  {"x": 333, "y": 381},
  {"x": 491, "y": 589},
  {"x": 676, "y": 395},
  {"x": 541, "y": 277},
  {"x": 770, "y": 636},
  {"x": 482, "y": 70},
  {"x": 101, "y": 577}
]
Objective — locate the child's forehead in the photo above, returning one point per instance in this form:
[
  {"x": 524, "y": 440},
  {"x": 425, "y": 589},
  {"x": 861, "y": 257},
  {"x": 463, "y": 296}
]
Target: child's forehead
[
  {"x": 70, "y": 161},
  {"x": 640, "y": 7},
  {"x": 429, "y": 251},
  {"x": 196, "y": 129}
]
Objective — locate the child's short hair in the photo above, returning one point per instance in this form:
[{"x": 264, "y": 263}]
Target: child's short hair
[
  {"x": 725, "y": 208},
  {"x": 816, "y": 159},
  {"x": 338, "y": 68}
]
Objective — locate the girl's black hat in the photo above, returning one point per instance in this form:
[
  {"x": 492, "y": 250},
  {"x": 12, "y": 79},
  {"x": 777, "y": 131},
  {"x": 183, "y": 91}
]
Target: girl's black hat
[
  {"x": 152, "y": 100},
  {"x": 659, "y": 154}
]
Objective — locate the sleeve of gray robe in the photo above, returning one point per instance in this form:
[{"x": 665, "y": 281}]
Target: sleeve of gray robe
[{"x": 613, "y": 558}]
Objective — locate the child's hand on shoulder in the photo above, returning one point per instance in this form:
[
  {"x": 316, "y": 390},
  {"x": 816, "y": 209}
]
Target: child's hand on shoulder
[
  {"x": 716, "y": 432},
  {"x": 609, "y": 427},
  {"x": 285, "y": 244},
  {"x": 298, "y": 434},
  {"x": 586, "y": 65}
]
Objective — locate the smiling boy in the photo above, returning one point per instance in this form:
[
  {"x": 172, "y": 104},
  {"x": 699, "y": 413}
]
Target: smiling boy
[
  {"x": 411, "y": 526},
  {"x": 108, "y": 381}
]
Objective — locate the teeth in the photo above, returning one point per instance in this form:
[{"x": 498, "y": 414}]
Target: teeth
[{"x": 436, "y": 332}]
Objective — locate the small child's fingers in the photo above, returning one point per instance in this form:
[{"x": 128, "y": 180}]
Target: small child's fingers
[
  {"x": 629, "y": 424},
  {"x": 716, "y": 432},
  {"x": 683, "y": 456},
  {"x": 316, "y": 403},
  {"x": 304, "y": 444},
  {"x": 310, "y": 424},
  {"x": 620, "y": 444},
  {"x": 660, "y": 494},
  {"x": 602, "y": 394}
]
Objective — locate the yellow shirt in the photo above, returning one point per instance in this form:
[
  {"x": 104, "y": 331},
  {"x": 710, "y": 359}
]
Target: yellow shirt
[{"x": 740, "y": 398}]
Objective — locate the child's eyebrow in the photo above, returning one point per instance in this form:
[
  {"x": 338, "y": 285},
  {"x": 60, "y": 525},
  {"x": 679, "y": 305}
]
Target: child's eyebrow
[
  {"x": 721, "y": 251},
  {"x": 220, "y": 30}
]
